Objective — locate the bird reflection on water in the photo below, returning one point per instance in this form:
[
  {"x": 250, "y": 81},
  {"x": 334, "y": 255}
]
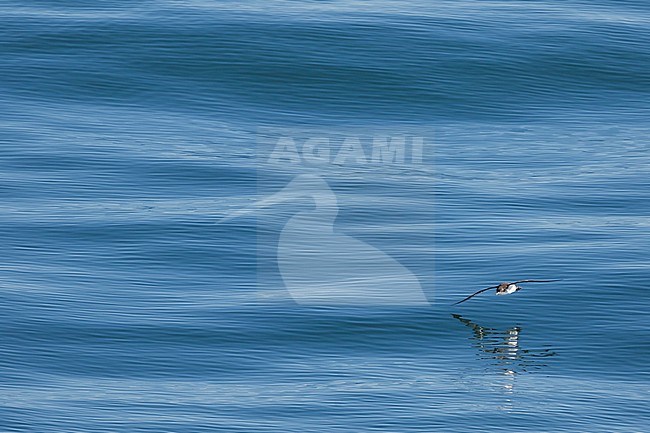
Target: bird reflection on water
[{"x": 503, "y": 347}]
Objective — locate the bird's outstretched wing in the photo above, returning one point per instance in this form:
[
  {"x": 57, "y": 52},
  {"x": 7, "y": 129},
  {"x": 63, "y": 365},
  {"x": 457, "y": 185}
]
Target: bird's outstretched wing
[
  {"x": 474, "y": 294},
  {"x": 536, "y": 281}
]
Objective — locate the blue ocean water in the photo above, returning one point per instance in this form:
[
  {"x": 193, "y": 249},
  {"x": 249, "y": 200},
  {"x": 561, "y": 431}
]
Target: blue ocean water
[{"x": 129, "y": 129}]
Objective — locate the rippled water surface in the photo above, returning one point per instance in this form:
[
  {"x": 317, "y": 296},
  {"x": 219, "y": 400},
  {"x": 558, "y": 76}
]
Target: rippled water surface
[{"x": 129, "y": 129}]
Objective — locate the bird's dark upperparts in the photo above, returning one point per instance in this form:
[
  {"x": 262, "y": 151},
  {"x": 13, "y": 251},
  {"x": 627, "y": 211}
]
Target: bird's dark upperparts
[{"x": 505, "y": 288}]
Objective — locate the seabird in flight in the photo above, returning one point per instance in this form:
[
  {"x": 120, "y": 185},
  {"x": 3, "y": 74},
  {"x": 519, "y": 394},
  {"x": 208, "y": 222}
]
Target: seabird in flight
[{"x": 506, "y": 288}]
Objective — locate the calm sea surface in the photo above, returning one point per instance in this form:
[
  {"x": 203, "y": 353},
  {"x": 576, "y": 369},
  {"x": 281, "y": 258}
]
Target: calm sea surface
[{"x": 129, "y": 128}]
